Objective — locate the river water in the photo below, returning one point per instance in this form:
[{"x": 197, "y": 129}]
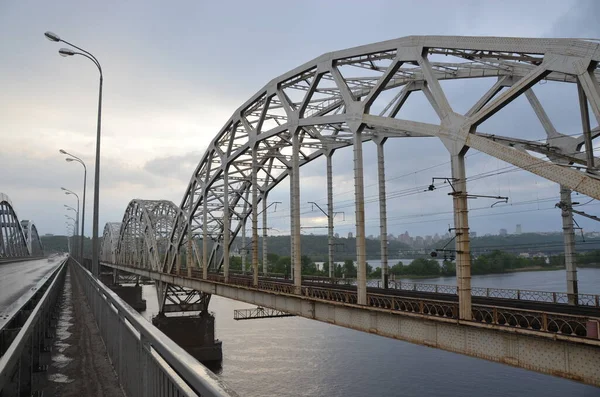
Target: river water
[{"x": 294, "y": 356}]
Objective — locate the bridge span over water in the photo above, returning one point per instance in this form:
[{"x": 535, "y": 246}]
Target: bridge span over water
[{"x": 344, "y": 99}]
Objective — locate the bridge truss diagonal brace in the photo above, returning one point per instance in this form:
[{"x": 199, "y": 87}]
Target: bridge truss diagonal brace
[{"x": 565, "y": 176}]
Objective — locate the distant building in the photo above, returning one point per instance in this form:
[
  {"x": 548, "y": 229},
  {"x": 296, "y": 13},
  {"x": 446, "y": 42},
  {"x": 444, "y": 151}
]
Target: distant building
[
  {"x": 350, "y": 235},
  {"x": 337, "y": 235},
  {"x": 472, "y": 234},
  {"x": 503, "y": 232},
  {"x": 518, "y": 229}
]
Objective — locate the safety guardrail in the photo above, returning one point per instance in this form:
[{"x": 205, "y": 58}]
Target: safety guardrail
[
  {"x": 537, "y": 320},
  {"x": 25, "y": 334},
  {"x": 146, "y": 361},
  {"x": 484, "y": 292}
]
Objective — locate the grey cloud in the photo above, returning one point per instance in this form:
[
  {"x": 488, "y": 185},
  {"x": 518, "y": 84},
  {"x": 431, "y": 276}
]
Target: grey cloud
[{"x": 180, "y": 167}]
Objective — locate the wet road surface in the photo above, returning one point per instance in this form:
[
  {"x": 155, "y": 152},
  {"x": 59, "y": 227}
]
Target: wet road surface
[{"x": 16, "y": 278}]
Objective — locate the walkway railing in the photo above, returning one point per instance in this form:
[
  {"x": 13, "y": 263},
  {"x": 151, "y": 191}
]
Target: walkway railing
[
  {"x": 146, "y": 361},
  {"x": 25, "y": 332},
  {"x": 566, "y": 324},
  {"x": 515, "y": 294}
]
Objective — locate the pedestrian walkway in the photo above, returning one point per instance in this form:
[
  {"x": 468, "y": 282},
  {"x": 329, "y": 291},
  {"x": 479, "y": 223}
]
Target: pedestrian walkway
[{"x": 79, "y": 363}]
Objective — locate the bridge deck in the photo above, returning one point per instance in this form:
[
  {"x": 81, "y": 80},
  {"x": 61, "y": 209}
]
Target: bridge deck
[{"x": 550, "y": 342}]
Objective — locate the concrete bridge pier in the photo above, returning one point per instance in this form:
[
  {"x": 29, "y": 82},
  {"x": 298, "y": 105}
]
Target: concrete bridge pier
[
  {"x": 196, "y": 334},
  {"x": 132, "y": 294}
]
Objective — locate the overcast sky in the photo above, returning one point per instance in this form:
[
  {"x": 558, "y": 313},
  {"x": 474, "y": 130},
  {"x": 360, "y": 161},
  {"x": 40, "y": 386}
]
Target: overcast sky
[{"x": 175, "y": 72}]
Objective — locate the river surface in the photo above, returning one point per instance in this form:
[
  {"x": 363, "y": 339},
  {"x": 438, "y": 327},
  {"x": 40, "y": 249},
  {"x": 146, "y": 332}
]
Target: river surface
[{"x": 294, "y": 356}]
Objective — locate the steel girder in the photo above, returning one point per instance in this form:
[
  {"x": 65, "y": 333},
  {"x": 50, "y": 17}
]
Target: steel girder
[
  {"x": 359, "y": 92},
  {"x": 13, "y": 240}
]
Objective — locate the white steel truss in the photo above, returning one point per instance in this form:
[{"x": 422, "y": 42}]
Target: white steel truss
[{"x": 346, "y": 97}]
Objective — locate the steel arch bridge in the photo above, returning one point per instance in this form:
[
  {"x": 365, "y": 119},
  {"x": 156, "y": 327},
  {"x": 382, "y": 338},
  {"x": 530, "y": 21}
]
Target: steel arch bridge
[
  {"x": 110, "y": 241},
  {"x": 18, "y": 239},
  {"x": 143, "y": 234},
  {"x": 344, "y": 98}
]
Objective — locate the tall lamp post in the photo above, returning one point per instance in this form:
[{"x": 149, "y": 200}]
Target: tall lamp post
[
  {"x": 69, "y": 52},
  {"x": 68, "y": 207},
  {"x": 80, "y": 161},
  {"x": 70, "y": 228},
  {"x": 68, "y": 192}
]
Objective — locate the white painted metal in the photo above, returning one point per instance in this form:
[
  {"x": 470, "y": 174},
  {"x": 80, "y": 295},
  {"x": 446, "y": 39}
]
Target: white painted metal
[{"x": 319, "y": 102}]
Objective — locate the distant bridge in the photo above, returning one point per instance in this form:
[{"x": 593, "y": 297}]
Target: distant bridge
[{"x": 18, "y": 239}]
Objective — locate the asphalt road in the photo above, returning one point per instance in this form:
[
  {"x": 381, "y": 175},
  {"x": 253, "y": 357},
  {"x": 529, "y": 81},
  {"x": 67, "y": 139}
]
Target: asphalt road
[{"x": 18, "y": 277}]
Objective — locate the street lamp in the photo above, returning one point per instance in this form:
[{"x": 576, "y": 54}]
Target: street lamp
[
  {"x": 80, "y": 161},
  {"x": 69, "y": 52},
  {"x": 68, "y": 192},
  {"x": 69, "y": 234}
]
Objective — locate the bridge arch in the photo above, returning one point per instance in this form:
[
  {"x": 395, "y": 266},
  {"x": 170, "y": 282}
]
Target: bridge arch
[
  {"x": 143, "y": 234},
  {"x": 319, "y": 107},
  {"x": 110, "y": 241},
  {"x": 34, "y": 242},
  {"x": 13, "y": 241}
]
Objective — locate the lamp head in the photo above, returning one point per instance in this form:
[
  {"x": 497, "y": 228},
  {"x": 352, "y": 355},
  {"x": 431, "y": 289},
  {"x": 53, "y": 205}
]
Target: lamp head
[
  {"x": 68, "y": 193},
  {"x": 66, "y": 52},
  {"x": 52, "y": 36},
  {"x": 69, "y": 159},
  {"x": 62, "y": 151},
  {"x": 62, "y": 188}
]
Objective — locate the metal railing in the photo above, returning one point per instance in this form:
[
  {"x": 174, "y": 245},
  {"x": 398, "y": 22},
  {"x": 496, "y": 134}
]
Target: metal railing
[
  {"x": 537, "y": 320},
  {"x": 25, "y": 334},
  {"x": 146, "y": 361},
  {"x": 501, "y": 293},
  {"x": 592, "y": 300}
]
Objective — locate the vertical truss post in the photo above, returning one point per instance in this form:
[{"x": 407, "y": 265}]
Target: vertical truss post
[
  {"x": 461, "y": 226},
  {"x": 226, "y": 221},
  {"x": 177, "y": 260},
  {"x": 382, "y": 212},
  {"x": 204, "y": 238},
  {"x": 243, "y": 253},
  {"x": 295, "y": 195},
  {"x": 254, "y": 218},
  {"x": 569, "y": 239},
  {"x": 359, "y": 198},
  {"x": 328, "y": 155},
  {"x": 264, "y": 232},
  {"x": 189, "y": 259}
]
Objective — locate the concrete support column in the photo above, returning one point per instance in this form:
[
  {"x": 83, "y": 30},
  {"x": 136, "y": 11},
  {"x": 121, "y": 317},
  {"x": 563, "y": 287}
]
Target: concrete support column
[
  {"x": 243, "y": 252},
  {"x": 264, "y": 233},
  {"x": 295, "y": 198},
  {"x": 461, "y": 226},
  {"x": 330, "y": 243},
  {"x": 254, "y": 218},
  {"x": 204, "y": 239},
  {"x": 359, "y": 198},
  {"x": 382, "y": 213},
  {"x": 226, "y": 222},
  {"x": 569, "y": 239}
]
